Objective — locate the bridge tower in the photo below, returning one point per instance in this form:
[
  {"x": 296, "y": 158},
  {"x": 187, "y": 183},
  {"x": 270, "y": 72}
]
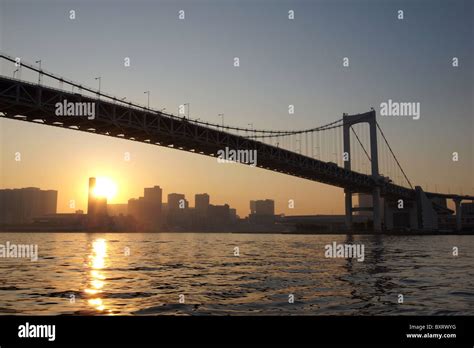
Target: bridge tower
[{"x": 348, "y": 122}]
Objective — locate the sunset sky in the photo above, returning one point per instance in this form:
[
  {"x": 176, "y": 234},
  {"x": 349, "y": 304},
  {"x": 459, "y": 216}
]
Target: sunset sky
[{"x": 282, "y": 62}]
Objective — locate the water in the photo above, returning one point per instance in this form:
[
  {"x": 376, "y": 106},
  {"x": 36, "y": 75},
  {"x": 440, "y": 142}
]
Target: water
[{"x": 145, "y": 274}]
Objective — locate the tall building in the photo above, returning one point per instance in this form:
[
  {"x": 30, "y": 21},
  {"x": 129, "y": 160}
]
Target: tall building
[
  {"x": 262, "y": 211},
  {"x": 20, "y": 206},
  {"x": 252, "y": 207},
  {"x": 233, "y": 215},
  {"x": 148, "y": 210},
  {"x": 96, "y": 206},
  {"x": 178, "y": 210},
  {"x": 49, "y": 199},
  {"x": 97, "y": 217},
  {"x": 153, "y": 195},
  {"x": 201, "y": 203},
  {"x": 177, "y": 201},
  {"x": 201, "y": 211},
  {"x": 152, "y": 205},
  {"x": 219, "y": 215},
  {"x": 91, "y": 201},
  {"x": 262, "y": 207},
  {"x": 134, "y": 208}
]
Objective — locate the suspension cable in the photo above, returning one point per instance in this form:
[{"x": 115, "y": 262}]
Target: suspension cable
[
  {"x": 362, "y": 145},
  {"x": 395, "y": 157}
]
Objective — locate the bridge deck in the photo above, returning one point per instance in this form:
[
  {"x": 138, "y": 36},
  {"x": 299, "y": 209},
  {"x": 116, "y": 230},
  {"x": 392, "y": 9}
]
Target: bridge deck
[{"x": 30, "y": 102}]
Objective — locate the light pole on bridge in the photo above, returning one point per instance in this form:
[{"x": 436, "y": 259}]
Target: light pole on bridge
[
  {"x": 188, "y": 108},
  {"x": 250, "y": 125},
  {"x": 221, "y": 115},
  {"x": 39, "y": 73},
  {"x": 100, "y": 80},
  {"x": 148, "y": 93}
]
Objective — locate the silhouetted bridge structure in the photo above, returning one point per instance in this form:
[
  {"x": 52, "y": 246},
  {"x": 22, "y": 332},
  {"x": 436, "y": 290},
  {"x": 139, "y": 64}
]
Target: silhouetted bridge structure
[{"x": 35, "y": 102}]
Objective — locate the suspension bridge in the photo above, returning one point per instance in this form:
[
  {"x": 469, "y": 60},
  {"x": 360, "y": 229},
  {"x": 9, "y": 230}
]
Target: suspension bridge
[{"x": 344, "y": 153}]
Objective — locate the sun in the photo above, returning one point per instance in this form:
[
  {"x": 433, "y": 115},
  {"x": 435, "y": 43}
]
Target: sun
[{"x": 105, "y": 187}]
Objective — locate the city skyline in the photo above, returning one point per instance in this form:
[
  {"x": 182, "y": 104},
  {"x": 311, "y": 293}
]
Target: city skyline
[
  {"x": 195, "y": 197},
  {"x": 258, "y": 93}
]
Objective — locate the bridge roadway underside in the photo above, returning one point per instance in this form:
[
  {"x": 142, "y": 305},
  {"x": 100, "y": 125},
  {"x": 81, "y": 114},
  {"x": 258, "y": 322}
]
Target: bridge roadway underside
[{"x": 29, "y": 102}]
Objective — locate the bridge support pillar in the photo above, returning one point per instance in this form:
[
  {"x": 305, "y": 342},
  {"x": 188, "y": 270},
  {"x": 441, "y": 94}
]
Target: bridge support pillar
[
  {"x": 348, "y": 200},
  {"x": 377, "y": 212},
  {"x": 457, "y": 203},
  {"x": 348, "y": 122}
]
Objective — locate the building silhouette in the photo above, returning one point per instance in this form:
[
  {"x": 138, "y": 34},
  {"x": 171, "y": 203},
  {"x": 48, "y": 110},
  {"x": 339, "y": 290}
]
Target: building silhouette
[
  {"x": 152, "y": 206},
  {"x": 177, "y": 201},
  {"x": 219, "y": 215},
  {"x": 262, "y": 211},
  {"x": 178, "y": 214},
  {"x": 201, "y": 203},
  {"x": 21, "y": 206},
  {"x": 262, "y": 207},
  {"x": 148, "y": 210},
  {"x": 97, "y": 217},
  {"x": 201, "y": 211},
  {"x": 135, "y": 209},
  {"x": 96, "y": 205},
  {"x": 117, "y": 209}
]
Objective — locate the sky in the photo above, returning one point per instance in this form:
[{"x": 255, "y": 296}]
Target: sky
[{"x": 282, "y": 62}]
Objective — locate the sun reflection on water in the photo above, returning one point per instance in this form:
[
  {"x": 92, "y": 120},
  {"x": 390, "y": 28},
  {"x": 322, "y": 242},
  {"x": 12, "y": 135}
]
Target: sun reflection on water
[{"x": 97, "y": 260}]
